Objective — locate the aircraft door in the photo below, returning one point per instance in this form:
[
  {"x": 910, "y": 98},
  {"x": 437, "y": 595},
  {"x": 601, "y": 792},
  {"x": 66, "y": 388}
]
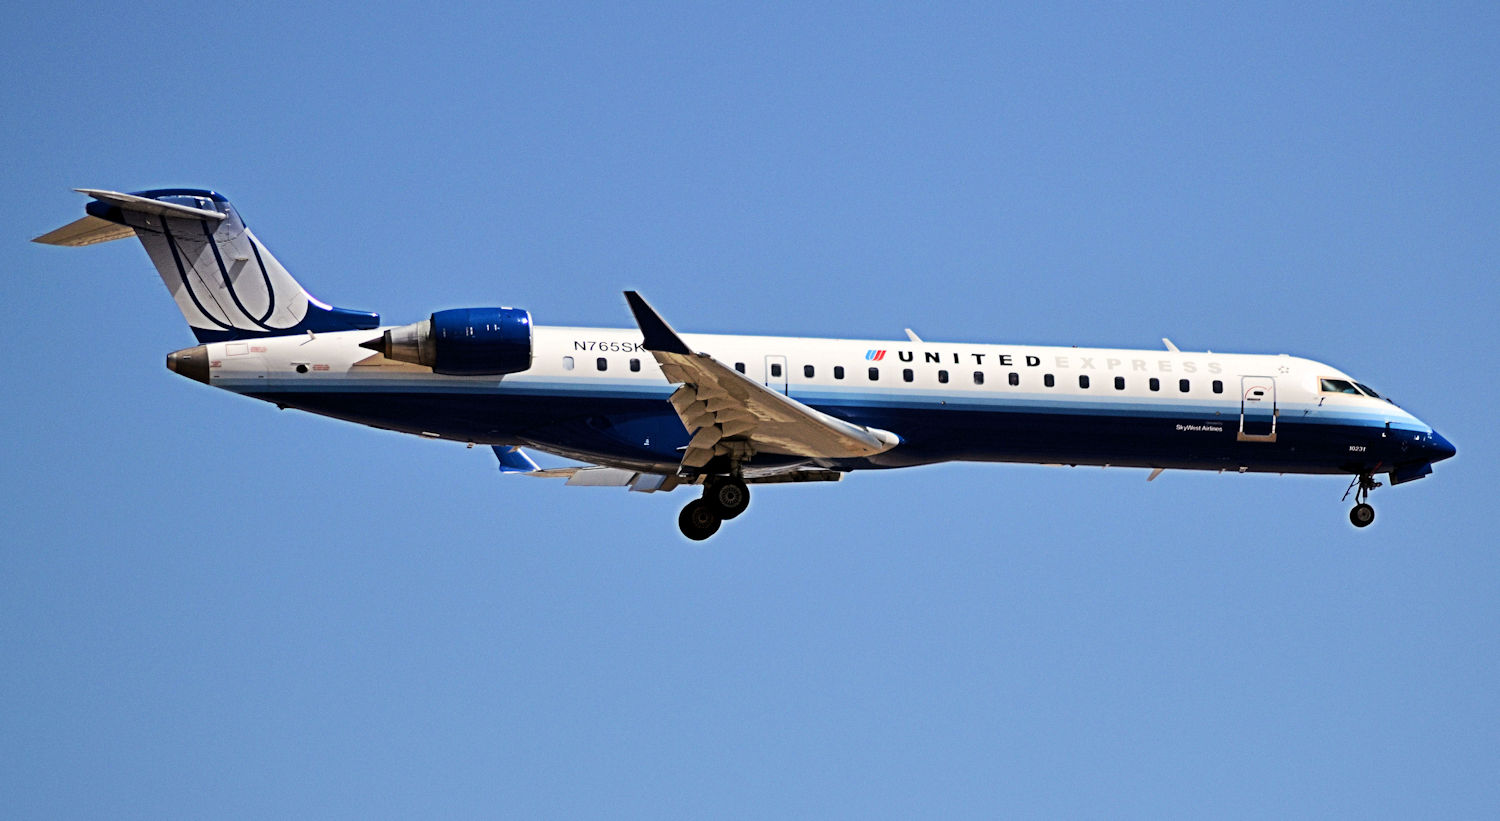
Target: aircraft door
[
  {"x": 776, "y": 373},
  {"x": 1258, "y": 409}
]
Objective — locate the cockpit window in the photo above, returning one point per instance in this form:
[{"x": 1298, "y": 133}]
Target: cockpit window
[
  {"x": 1371, "y": 391},
  {"x": 1338, "y": 386}
]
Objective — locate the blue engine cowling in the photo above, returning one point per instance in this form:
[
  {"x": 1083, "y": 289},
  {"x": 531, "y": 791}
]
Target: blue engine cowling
[{"x": 463, "y": 342}]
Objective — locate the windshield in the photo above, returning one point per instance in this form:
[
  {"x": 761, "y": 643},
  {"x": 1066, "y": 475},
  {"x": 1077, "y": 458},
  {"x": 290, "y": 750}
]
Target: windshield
[{"x": 1372, "y": 392}]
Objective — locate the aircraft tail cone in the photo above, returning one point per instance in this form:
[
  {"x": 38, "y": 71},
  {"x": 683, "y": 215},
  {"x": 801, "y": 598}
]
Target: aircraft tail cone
[{"x": 190, "y": 362}]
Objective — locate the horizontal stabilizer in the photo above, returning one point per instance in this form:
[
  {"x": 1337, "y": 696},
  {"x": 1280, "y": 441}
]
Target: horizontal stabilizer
[
  {"x": 146, "y": 205},
  {"x": 86, "y": 231}
]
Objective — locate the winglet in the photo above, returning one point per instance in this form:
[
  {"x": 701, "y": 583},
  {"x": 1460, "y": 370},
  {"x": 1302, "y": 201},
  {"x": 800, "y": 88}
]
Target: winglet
[
  {"x": 514, "y": 460},
  {"x": 658, "y": 335}
]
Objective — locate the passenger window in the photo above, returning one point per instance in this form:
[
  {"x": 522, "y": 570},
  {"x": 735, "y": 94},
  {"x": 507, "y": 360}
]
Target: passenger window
[
  {"x": 567, "y": 363},
  {"x": 1015, "y": 379},
  {"x": 838, "y": 371},
  {"x": 942, "y": 377},
  {"x": 1083, "y": 381},
  {"x": 1048, "y": 380},
  {"x": 907, "y": 375},
  {"x": 635, "y": 366},
  {"x": 1154, "y": 384},
  {"x": 603, "y": 364},
  {"x": 874, "y": 374},
  {"x": 807, "y": 371},
  {"x": 1218, "y": 386},
  {"x": 1182, "y": 385},
  {"x": 1119, "y": 383},
  {"x": 979, "y": 377},
  {"x": 739, "y": 366},
  {"x": 776, "y": 369}
]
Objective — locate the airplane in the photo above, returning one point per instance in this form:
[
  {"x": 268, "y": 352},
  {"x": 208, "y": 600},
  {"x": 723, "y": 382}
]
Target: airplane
[{"x": 652, "y": 409}]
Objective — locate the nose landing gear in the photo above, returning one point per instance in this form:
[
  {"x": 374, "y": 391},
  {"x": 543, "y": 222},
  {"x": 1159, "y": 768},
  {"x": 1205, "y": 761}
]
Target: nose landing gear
[{"x": 1362, "y": 514}]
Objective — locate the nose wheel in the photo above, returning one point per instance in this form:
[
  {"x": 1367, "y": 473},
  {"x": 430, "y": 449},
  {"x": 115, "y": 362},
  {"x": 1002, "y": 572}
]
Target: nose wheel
[
  {"x": 723, "y": 499},
  {"x": 1362, "y": 514}
]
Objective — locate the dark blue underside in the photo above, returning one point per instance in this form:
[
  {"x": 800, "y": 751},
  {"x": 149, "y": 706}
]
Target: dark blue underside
[{"x": 645, "y": 431}]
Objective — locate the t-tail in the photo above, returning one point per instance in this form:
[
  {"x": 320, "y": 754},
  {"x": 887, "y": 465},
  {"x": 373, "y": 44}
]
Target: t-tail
[{"x": 225, "y": 282}]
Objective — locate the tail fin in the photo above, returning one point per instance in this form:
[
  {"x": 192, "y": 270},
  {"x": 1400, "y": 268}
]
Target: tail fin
[{"x": 225, "y": 282}]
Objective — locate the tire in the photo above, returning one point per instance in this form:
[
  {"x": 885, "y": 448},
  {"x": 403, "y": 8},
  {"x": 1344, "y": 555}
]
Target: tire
[
  {"x": 1362, "y": 515},
  {"x": 729, "y": 498},
  {"x": 699, "y": 520}
]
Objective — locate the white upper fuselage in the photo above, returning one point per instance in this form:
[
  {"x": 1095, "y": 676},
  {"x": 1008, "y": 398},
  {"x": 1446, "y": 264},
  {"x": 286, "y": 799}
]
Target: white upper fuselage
[{"x": 1204, "y": 394}]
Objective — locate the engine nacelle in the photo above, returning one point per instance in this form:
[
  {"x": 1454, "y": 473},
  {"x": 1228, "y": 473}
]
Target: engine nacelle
[{"x": 463, "y": 342}]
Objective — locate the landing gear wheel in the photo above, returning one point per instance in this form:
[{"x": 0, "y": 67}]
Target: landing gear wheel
[
  {"x": 699, "y": 520},
  {"x": 729, "y": 497},
  {"x": 1362, "y": 515}
]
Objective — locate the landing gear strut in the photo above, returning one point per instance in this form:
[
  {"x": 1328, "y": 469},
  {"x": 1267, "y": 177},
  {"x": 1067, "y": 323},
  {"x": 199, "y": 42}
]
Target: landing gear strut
[
  {"x": 1363, "y": 513},
  {"x": 723, "y": 498}
]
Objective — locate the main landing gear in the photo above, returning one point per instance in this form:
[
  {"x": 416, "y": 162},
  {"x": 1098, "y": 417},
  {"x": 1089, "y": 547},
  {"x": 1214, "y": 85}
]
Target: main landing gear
[
  {"x": 723, "y": 498},
  {"x": 1362, "y": 513}
]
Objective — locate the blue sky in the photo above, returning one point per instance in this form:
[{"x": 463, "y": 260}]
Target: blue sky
[{"x": 212, "y": 608}]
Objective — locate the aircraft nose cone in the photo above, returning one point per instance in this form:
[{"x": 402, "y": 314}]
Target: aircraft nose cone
[{"x": 1440, "y": 447}]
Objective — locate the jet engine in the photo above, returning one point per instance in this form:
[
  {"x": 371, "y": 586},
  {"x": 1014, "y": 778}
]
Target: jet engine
[{"x": 462, "y": 342}]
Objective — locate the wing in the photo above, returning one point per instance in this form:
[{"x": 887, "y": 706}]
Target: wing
[{"x": 725, "y": 411}]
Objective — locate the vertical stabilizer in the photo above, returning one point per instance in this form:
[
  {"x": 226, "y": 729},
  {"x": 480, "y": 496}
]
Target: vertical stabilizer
[{"x": 225, "y": 282}]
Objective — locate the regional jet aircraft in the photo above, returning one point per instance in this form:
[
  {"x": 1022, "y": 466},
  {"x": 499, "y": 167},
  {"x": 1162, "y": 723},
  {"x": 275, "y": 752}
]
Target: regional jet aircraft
[{"x": 652, "y": 409}]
